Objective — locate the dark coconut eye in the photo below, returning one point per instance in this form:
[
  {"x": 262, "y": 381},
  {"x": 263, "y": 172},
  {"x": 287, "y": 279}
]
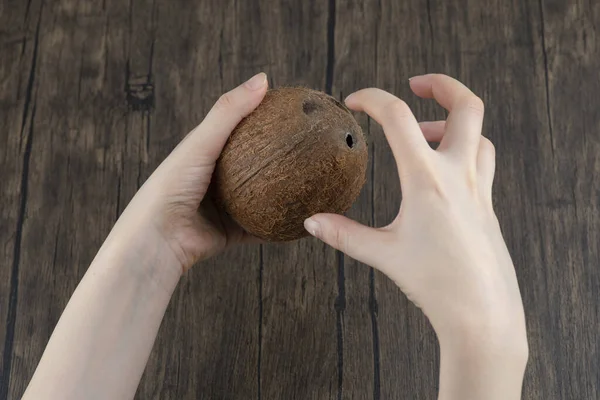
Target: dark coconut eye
[
  {"x": 308, "y": 107},
  {"x": 349, "y": 140}
]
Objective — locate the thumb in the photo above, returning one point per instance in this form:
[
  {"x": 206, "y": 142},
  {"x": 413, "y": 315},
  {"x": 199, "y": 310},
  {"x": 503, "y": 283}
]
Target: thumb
[
  {"x": 353, "y": 239},
  {"x": 190, "y": 165},
  {"x": 208, "y": 139}
]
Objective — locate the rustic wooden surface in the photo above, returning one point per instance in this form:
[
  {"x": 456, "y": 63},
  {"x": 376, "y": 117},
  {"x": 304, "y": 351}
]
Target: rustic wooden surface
[{"x": 94, "y": 94}]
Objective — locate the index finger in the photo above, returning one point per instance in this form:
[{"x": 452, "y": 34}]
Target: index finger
[
  {"x": 463, "y": 128},
  {"x": 401, "y": 129}
]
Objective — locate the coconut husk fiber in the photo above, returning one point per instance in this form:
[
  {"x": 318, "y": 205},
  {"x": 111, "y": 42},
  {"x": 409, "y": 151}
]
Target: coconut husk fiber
[{"x": 301, "y": 152}]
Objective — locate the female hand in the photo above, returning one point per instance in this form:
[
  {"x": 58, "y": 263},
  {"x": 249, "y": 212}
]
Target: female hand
[
  {"x": 444, "y": 249},
  {"x": 172, "y": 202},
  {"x": 102, "y": 341}
]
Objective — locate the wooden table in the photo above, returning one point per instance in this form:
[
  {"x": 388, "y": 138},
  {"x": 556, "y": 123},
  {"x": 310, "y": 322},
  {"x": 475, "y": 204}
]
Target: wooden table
[{"x": 94, "y": 94}]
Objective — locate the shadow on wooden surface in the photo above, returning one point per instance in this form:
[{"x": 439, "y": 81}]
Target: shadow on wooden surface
[{"x": 94, "y": 94}]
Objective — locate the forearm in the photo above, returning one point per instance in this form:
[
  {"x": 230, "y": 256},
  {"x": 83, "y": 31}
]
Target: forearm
[
  {"x": 103, "y": 339},
  {"x": 483, "y": 366}
]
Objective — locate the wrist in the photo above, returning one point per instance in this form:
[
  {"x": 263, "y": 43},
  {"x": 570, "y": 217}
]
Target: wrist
[
  {"x": 139, "y": 253},
  {"x": 483, "y": 363},
  {"x": 484, "y": 347},
  {"x": 492, "y": 324}
]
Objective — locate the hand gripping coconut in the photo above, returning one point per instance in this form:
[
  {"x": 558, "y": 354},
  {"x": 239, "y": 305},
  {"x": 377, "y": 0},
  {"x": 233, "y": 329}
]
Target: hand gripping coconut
[{"x": 301, "y": 152}]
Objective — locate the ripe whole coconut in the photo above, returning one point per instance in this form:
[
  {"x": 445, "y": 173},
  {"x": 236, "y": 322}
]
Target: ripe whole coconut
[{"x": 301, "y": 152}]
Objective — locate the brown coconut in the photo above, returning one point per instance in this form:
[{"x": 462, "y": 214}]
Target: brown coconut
[{"x": 301, "y": 152}]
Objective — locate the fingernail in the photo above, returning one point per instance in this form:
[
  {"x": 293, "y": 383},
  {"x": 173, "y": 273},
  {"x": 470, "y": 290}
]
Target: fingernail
[
  {"x": 348, "y": 97},
  {"x": 414, "y": 77},
  {"x": 313, "y": 227},
  {"x": 257, "y": 81}
]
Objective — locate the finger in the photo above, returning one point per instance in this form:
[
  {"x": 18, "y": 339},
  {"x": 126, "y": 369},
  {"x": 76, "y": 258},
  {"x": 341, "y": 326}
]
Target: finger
[
  {"x": 486, "y": 166},
  {"x": 351, "y": 238},
  {"x": 399, "y": 124},
  {"x": 463, "y": 127},
  {"x": 433, "y": 131},
  {"x": 212, "y": 134}
]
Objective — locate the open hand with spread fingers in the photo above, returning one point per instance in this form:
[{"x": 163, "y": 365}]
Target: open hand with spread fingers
[{"x": 445, "y": 249}]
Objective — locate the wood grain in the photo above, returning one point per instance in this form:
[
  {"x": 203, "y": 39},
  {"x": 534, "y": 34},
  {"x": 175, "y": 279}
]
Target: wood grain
[
  {"x": 94, "y": 94},
  {"x": 301, "y": 300},
  {"x": 19, "y": 46},
  {"x": 355, "y": 68}
]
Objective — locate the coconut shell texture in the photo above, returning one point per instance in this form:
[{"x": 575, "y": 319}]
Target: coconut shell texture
[{"x": 301, "y": 152}]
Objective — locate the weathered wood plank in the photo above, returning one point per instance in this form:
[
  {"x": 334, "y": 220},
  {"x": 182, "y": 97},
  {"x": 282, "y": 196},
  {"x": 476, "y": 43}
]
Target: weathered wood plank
[
  {"x": 19, "y": 44},
  {"x": 356, "y": 42},
  {"x": 301, "y": 300},
  {"x": 563, "y": 185},
  {"x": 72, "y": 190},
  {"x": 208, "y": 344}
]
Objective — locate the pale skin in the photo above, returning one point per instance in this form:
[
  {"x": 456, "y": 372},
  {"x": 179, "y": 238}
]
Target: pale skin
[{"x": 445, "y": 250}]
